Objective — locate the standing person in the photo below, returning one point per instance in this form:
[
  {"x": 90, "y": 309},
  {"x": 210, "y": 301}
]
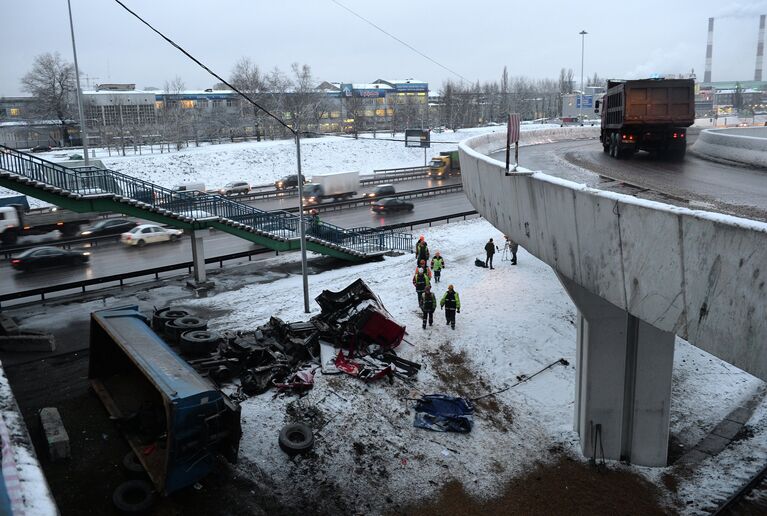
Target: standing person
[
  {"x": 490, "y": 250},
  {"x": 437, "y": 264},
  {"x": 513, "y": 247},
  {"x": 429, "y": 304},
  {"x": 420, "y": 282},
  {"x": 421, "y": 250},
  {"x": 452, "y": 304},
  {"x": 422, "y": 265}
]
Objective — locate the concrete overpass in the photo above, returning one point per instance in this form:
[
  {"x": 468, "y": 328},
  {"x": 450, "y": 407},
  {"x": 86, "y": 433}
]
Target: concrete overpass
[{"x": 639, "y": 272}]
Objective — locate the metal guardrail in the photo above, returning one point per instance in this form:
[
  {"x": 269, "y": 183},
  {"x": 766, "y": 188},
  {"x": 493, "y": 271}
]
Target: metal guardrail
[
  {"x": 92, "y": 182},
  {"x": 120, "y": 278}
]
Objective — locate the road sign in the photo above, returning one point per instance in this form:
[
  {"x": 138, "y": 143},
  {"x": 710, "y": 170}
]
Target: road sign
[{"x": 417, "y": 138}]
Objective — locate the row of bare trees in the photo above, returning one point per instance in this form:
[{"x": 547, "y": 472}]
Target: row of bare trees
[{"x": 469, "y": 105}]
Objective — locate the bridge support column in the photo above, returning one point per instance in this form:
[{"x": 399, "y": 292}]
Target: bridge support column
[
  {"x": 623, "y": 382},
  {"x": 198, "y": 257}
]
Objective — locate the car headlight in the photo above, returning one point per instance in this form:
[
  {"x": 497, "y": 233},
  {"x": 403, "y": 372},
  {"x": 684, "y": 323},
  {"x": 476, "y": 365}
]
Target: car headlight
[
  {"x": 86, "y": 233},
  {"x": 86, "y": 254}
]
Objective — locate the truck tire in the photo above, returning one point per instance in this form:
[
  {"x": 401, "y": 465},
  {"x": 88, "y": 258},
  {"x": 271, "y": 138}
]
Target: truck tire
[
  {"x": 199, "y": 342},
  {"x": 296, "y": 438},
  {"x": 133, "y": 497},
  {"x": 10, "y": 236}
]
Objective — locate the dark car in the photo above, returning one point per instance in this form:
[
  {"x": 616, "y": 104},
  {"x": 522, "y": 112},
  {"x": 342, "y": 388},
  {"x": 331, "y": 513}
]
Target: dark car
[
  {"x": 41, "y": 148},
  {"x": 386, "y": 205},
  {"x": 287, "y": 182},
  {"x": 43, "y": 257},
  {"x": 108, "y": 227},
  {"x": 381, "y": 190}
]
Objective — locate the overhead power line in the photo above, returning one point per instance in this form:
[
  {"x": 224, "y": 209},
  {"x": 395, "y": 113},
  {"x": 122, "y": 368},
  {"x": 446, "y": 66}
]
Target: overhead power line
[
  {"x": 214, "y": 74},
  {"x": 395, "y": 38}
]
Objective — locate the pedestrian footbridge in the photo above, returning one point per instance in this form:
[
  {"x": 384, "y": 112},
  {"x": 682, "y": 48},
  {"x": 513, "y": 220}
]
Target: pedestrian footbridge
[
  {"x": 91, "y": 189},
  {"x": 639, "y": 272}
]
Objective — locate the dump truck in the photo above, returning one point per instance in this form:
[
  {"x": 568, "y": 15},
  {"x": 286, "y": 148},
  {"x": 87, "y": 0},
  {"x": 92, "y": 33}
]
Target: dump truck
[
  {"x": 447, "y": 163},
  {"x": 648, "y": 114},
  {"x": 337, "y": 185},
  {"x": 17, "y": 220}
]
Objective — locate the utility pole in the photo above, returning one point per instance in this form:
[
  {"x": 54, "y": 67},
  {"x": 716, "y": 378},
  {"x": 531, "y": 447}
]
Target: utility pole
[
  {"x": 83, "y": 132},
  {"x": 583, "y": 48},
  {"x": 301, "y": 224}
]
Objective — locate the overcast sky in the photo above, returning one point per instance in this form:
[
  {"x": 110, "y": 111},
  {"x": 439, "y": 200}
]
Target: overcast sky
[{"x": 474, "y": 38}]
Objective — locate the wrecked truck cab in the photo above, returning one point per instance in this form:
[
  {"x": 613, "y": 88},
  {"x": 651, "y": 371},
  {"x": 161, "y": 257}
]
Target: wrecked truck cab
[{"x": 175, "y": 420}]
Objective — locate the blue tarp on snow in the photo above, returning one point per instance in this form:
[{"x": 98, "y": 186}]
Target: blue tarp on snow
[{"x": 441, "y": 413}]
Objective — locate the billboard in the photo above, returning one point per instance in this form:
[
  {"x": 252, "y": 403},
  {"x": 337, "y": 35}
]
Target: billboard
[
  {"x": 588, "y": 101},
  {"x": 417, "y": 138}
]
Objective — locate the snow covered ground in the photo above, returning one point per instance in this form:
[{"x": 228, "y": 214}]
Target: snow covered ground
[{"x": 514, "y": 320}]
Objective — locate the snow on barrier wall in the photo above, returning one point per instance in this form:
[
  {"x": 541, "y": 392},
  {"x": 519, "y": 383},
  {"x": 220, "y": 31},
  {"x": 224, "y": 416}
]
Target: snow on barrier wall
[
  {"x": 23, "y": 488},
  {"x": 743, "y": 145},
  {"x": 698, "y": 274}
]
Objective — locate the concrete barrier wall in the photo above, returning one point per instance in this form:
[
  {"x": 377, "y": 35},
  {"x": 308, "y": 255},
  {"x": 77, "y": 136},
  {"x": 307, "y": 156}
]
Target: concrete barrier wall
[
  {"x": 700, "y": 275},
  {"x": 746, "y": 145}
]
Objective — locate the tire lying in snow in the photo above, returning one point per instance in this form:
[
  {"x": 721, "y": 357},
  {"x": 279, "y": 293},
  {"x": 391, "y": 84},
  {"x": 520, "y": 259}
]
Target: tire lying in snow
[
  {"x": 133, "y": 497},
  {"x": 296, "y": 438},
  {"x": 197, "y": 342},
  {"x": 132, "y": 464}
]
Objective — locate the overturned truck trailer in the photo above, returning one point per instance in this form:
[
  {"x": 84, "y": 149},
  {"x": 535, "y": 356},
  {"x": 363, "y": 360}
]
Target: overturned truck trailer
[{"x": 175, "y": 420}]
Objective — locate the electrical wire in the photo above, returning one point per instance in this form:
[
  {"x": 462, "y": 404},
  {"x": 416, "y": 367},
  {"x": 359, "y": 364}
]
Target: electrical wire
[
  {"x": 395, "y": 38},
  {"x": 204, "y": 67}
]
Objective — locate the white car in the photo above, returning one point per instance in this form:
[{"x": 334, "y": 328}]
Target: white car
[{"x": 149, "y": 234}]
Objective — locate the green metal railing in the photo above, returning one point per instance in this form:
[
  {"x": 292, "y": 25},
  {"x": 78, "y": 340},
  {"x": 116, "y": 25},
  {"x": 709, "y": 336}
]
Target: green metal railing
[{"x": 197, "y": 208}]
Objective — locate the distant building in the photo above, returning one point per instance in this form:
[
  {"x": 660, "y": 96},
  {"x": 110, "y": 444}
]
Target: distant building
[{"x": 20, "y": 128}]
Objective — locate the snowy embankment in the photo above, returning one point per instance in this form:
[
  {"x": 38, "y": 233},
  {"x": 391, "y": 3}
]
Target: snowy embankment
[
  {"x": 514, "y": 320},
  {"x": 266, "y": 161}
]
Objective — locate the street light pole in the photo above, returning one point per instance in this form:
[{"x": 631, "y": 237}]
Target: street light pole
[
  {"x": 83, "y": 133},
  {"x": 583, "y": 48},
  {"x": 302, "y": 224}
]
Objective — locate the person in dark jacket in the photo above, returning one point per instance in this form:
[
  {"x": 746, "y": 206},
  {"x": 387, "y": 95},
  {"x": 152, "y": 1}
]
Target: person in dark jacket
[
  {"x": 421, "y": 250},
  {"x": 437, "y": 264},
  {"x": 490, "y": 250},
  {"x": 428, "y": 305},
  {"x": 420, "y": 282},
  {"x": 452, "y": 304},
  {"x": 513, "y": 247}
]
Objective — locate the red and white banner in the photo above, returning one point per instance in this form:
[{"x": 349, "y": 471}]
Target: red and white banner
[{"x": 513, "y": 128}]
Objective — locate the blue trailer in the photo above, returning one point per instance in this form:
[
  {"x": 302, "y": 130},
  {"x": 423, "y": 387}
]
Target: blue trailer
[{"x": 175, "y": 420}]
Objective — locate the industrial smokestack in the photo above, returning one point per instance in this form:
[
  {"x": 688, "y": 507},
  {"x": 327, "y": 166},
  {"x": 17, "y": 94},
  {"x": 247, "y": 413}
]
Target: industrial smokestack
[
  {"x": 709, "y": 50},
  {"x": 760, "y": 50}
]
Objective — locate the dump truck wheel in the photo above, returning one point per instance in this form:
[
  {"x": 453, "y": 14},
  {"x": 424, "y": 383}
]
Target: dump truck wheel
[
  {"x": 132, "y": 464},
  {"x": 162, "y": 316},
  {"x": 198, "y": 341},
  {"x": 133, "y": 497},
  {"x": 296, "y": 438}
]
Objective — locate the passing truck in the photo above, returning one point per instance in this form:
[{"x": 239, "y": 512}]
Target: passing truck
[
  {"x": 447, "y": 163},
  {"x": 15, "y": 221},
  {"x": 648, "y": 114},
  {"x": 336, "y": 186}
]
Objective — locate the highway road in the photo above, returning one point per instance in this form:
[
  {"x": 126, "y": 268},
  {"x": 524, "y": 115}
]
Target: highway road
[
  {"x": 112, "y": 257},
  {"x": 694, "y": 182}
]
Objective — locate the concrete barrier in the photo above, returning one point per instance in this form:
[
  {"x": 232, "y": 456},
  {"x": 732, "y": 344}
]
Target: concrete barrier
[
  {"x": 700, "y": 275},
  {"x": 747, "y": 145}
]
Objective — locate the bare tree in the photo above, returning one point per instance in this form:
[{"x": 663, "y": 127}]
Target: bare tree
[
  {"x": 247, "y": 78},
  {"x": 52, "y": 82},
  {"x": 174, "y": 114}
]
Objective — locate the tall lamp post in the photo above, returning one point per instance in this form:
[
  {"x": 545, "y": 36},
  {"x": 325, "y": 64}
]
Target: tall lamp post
[
  {"x": 583, "y": 48},
  {"x": 83, "y": 133}
]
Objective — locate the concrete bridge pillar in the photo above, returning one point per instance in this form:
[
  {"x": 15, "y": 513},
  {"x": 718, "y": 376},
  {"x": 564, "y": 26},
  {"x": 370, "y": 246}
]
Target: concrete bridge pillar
[
  {"x": 198, "y": 256},
  {"x": 623, "y": 382}
]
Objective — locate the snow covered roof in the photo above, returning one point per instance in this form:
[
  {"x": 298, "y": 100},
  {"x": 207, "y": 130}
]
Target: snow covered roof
[
  {"x": 403, "y": 81},
  {"x": 370, "y": 86}
]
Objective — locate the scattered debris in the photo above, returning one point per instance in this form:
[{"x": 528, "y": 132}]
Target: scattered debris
[
  {"x": 133, "y": 497},
  {"x": 442, "y": 413},
  {"x": 522, "y": 378},
  {"x": 56, "y": 436}
]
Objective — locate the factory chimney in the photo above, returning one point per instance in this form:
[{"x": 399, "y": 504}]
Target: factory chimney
[
  {"x": 709, "y": 50},
  {"x": 760, "y": 50}
]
